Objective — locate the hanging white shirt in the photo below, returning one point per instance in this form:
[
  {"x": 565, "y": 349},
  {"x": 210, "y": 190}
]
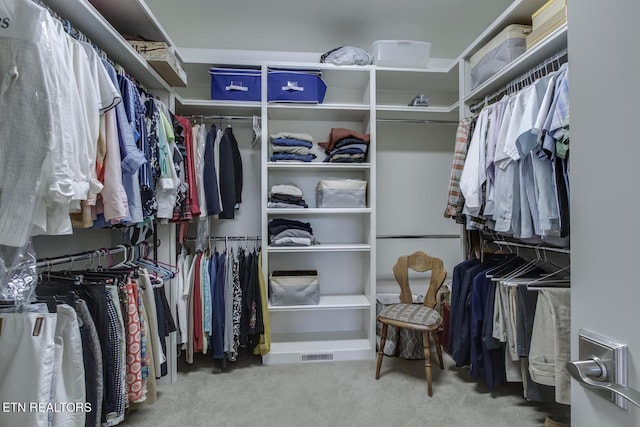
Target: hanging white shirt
[
  {"x": 474, "y": 172},
  {"x": 506, "y": 215}
]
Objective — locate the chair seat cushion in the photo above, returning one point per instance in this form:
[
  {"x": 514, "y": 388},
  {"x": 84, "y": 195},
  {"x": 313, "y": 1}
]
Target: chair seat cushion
[{"x": 416, "y": 314}]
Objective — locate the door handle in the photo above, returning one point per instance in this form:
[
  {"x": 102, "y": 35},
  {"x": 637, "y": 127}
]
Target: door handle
[{"x": 593, "y": 373}]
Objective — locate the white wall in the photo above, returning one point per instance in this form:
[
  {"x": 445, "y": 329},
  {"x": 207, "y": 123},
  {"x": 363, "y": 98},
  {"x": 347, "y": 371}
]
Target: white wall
[
  {"x": 413, "y": 168},
  {"x": 604, "y": 91}
]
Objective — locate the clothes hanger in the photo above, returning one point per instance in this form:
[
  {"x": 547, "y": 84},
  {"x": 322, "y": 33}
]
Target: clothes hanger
[{"x": 520, "y": 271}]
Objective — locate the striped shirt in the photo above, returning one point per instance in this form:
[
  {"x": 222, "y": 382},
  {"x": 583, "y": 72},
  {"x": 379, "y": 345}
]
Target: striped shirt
[{"x": 459, "y": 156}]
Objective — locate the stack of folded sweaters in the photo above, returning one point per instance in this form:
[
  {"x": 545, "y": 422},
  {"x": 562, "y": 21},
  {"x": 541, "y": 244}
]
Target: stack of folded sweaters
[
  {"x": 286, "y": 196},
  {"x": 289, "y": 232},
  {"x": 346, "y": 146},
  {"x": 291, "y": 147}
]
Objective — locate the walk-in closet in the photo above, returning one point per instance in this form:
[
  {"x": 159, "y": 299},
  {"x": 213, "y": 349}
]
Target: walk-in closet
[{"x": 230, "y": 214}]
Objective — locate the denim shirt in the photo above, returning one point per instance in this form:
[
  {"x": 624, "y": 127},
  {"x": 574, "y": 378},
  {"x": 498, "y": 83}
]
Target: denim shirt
[{"x": 132, "y": 157}]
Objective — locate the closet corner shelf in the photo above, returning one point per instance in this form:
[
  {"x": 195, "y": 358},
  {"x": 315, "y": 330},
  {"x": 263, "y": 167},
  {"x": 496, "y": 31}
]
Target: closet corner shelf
[
  {"x": 555, "y": 42},
  {"x": 317, "y": 211},
  {"x": 211, "y": 107},
  {"x": 330, "y": 302},
  {"x": 442, "y": 70},
  {"x": 323, "y": 247},
  {"x": 301, "y": 166},
  {"x": 319, "y": 112},
  {"x": 84, "y": 16},
  {"x": 433, "y": 112},
  {"x": 324, "y": 66}
]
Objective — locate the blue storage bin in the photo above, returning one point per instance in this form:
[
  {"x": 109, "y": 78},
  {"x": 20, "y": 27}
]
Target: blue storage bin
[
  {"x": 285, "y": 85},
  {"x": 230, "y": 84}
]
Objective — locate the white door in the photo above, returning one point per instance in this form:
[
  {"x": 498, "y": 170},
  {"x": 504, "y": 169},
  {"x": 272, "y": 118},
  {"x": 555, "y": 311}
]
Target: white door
[{"x": 604, "y": 58}]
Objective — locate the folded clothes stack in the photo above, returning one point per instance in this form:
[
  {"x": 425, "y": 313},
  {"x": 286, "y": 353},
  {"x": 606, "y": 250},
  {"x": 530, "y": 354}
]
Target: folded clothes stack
[
  {"x": 289, "y": 232},
  {"x": 346, "y": 146},
  {"x": 291, "y": 147},
  {"x": 286, "y": 196}
]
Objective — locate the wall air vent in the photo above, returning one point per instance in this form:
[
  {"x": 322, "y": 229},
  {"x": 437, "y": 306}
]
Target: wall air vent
[{"x": 317, "y": 357}]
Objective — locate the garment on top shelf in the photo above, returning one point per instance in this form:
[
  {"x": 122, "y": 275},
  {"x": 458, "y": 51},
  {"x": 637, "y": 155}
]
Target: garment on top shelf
[
  {"x": 286, "y": 196},
  {"x": 291, "y": 149},
  {"x": 284, "y": 157},
  {"x": 348, "y": 149},
  {"x": 338, "y": 134},
  {"x": 298, "y": 136},
  {"x": 291, "y": 142}
]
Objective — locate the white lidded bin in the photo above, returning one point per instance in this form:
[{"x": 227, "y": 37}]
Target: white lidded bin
[{"x": 401, "y": 53}]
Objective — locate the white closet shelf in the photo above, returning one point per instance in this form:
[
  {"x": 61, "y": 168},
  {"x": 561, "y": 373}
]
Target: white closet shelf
[
  {"x": 319, "y": 112},
  {"x": 133, "y": 17},
  {"x": 317, "y": 211},
  {"x": 408, "y": 80},
  {"x": 324, "y": 247},
  {"x": 317, "y": 166},
  {"x": 318, "y": 346},
  {"x": 210, "y": 107},
  {"x": 555, "y": 42},
  {"x": 89, "y": 21},
  {"x": 331, "y": 302},
  {"x": 432, "y": 112}
]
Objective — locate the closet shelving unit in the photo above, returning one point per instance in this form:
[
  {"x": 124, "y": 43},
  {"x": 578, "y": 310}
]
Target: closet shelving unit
[
  {"x": 341, "y": 326},
  {"x": 362, "y": 98}
]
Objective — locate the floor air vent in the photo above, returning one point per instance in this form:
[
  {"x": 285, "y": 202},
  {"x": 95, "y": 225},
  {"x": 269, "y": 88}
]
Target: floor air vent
[{"x": 315, "y": 357}]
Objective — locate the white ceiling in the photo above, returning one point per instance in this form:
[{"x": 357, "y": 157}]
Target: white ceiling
[{"x": 321, "y": 25}]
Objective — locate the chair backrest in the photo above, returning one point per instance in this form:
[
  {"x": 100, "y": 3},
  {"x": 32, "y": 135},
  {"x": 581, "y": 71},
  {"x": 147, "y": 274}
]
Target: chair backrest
[{"x": 420, "y": 262}]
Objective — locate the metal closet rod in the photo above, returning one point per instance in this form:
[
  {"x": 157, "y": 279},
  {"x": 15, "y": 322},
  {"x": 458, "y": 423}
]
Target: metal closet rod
[
  {"x": 419, "y": 236},
  {"x": 538, "y": 71},
  {"x": 227, "y": 238},
  {"x": 419, "y": 121},
  {"x": 219, "y": 117},
  {"x": 523, "y": 245},
  {"x": 98, "y": 253}
]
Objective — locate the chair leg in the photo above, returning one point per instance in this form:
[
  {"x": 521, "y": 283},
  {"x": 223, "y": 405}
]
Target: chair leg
[
  {"x": 436, "y": 339},
  {"x": 383, "y": 339},
  {"x": 426, "y": 344}
]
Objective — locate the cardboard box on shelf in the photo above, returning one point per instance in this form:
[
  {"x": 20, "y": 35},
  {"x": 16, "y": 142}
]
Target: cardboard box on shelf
[{"x": 163, "y": 59}]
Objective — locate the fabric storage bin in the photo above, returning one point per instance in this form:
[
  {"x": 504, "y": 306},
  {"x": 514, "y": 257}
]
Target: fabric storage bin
[
  {"x": 341, "y": 193},
  {"x": 498, "y": 53},
  {"x": 294, "y": 287},
  {"x": 228, "y": 84},
  {"x": 401, "y": 53},
  {"x": 410, "y": 341},
  {"x": 285, "y": 85}
]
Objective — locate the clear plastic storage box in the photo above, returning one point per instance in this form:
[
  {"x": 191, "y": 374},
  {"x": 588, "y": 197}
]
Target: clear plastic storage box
[{"x": 401, "y": 53}]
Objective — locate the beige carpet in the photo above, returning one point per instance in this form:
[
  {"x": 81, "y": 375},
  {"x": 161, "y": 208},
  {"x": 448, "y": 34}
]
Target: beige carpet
[{"x": 333, "y": 394}]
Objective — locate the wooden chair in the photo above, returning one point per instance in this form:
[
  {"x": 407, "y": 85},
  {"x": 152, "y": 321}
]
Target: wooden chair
[{"x": 424, "y": 318}]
